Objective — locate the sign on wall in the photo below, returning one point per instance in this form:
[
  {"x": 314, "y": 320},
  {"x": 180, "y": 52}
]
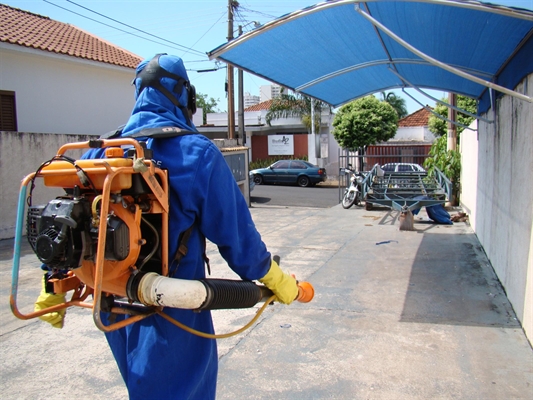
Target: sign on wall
[{"x": 280, "y": 145}]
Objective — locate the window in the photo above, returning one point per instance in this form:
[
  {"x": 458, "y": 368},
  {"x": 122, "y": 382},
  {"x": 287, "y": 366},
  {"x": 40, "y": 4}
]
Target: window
[
  {"x": 298, "y": 165},
  {"x": 281, "y": 164},
  {"x": 405, "y": 168},
  {"x": 8, "y": 115}
]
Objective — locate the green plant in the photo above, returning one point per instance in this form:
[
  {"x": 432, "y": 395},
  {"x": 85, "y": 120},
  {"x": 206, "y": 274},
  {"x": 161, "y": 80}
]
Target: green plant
[
  {"x": 396, "y": 102},
  {"x": 447, "y": 161},
  {"x": 363, "y": 122},
  {"x": 439, "y": 126}
]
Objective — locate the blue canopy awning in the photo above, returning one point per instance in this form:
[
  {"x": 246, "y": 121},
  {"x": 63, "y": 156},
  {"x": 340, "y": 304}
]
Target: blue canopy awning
[{"x": 340, "y": 50}]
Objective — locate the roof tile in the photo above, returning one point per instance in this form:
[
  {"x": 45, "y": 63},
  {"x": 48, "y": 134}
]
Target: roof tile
[
  {"x": 264, "y": 105},
  {"x": 418, "y": 118},
  {"x": 31, "y": 30}
]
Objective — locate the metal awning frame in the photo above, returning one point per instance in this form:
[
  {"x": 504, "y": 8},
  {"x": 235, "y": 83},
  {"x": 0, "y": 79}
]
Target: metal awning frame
[
  {"x": 435, "y": 62},
  {"x": 362, "y": 9}
]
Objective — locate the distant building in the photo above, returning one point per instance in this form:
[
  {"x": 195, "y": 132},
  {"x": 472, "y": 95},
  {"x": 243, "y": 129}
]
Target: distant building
[
  {"x": 250, "y": 100},
  {"x": 414, "y": 128},
  {"x": 269, "y": 92},
  {"x": 411, "y": 144}
]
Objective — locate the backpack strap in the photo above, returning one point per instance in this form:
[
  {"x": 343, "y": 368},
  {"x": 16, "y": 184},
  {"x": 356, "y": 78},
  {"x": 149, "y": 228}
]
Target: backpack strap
[
  {"x": 163, "y": 132},
  {"x": 183, "y": 249},
  {"x": 156, "y": 133}
]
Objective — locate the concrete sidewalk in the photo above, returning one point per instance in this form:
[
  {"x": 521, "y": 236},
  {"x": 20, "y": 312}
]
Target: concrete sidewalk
[{"x": 396, "y": 315}]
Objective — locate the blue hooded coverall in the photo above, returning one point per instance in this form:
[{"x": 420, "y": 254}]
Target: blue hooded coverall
[{"x": 157, "y": 359}]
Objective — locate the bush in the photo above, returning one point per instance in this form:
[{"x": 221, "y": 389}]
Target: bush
[{"x": 448, "y": 161}]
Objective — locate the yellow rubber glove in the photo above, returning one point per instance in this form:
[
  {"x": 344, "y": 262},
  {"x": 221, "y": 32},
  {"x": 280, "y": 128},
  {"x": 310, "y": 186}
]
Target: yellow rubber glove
[
  {"x": 283, "y": 285},
  {"x": 46, "y": 300}
]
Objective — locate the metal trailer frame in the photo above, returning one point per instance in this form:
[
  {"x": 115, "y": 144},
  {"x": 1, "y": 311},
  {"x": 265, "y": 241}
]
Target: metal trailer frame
[{"x": 406, "y": 191}]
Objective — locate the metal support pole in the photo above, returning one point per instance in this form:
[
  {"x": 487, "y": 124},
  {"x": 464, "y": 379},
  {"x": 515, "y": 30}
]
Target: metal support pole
[
  {"x": 452, "y": 131},
  {"x": 231, "y": 104},
  {"x": 240, "y": 123}
]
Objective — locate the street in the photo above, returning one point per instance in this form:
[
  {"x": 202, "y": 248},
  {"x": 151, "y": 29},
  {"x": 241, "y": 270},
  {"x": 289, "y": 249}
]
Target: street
[{"x": 295, "y": 196}]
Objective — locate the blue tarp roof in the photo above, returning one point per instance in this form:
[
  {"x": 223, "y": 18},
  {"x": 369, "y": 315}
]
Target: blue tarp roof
[{"x": 340, "y": 50}]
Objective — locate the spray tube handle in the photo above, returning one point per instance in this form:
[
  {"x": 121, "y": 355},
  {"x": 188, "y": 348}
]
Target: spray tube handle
[{"x": 306, "y": 291}]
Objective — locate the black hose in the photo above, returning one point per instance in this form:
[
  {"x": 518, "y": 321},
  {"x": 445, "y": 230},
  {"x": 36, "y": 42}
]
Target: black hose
[{"x": 226, "y": 294}]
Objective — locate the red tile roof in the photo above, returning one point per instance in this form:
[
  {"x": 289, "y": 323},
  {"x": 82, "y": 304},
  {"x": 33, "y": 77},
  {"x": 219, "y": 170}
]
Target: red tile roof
[
  {"x": 418, "y": 118},
  {"x": 26, "y": 29},
  {"x": 264, "y": 105}
]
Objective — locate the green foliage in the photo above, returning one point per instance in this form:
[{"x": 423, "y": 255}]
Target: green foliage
[
  {"x": 297, "y": 106},
  {"x": 207, "y": 106},
  {"x": 448, "y": 161},
  {"x": 363, "y": 122},
  {"x": 269, "y": 161},
  {"x": 396, "y": 102},
  {"x": 439, "y": 127}
]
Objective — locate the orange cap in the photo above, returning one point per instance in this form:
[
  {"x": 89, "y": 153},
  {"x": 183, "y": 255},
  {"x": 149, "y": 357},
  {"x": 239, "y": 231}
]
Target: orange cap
[
  {"x": 114, "y": 152},
  {"x": 306, "y": 292}
]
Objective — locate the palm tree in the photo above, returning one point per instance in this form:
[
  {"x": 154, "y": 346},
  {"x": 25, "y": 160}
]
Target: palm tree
[
  {"x": 397, "y": 102},
  {"x": 295, "y": 105}
]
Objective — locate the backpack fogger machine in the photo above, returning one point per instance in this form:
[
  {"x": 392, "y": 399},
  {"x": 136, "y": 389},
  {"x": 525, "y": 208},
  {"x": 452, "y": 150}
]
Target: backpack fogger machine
[{"x": 105, "y": 240}]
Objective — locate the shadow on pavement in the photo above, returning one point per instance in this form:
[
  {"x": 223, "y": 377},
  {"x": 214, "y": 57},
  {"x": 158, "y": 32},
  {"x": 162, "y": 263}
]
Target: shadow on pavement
[{"x": 451, "y": 284}]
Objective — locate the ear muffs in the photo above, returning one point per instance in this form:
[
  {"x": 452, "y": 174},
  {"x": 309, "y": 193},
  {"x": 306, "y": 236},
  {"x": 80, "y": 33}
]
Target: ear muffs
[{"x": 191, "y": 99}]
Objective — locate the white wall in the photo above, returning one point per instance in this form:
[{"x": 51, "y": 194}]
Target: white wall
[
  {"x": 21, "y": 154},
  {"x": 63, "y": 94},
  {"x": 416, "y": 133},
  {"x": 469, "y": 172},
  {"x": 497, "y": 191}
]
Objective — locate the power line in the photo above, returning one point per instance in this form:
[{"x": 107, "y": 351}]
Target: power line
[
  {"x": 139, "y": 30},
  {"x": 257, "y": 12},
  {"x": 124, "y": 31},
  {"x": 209, "y": 29}
]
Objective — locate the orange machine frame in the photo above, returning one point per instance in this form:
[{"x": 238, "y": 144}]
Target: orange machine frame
[{"x": 102, "y": 276}]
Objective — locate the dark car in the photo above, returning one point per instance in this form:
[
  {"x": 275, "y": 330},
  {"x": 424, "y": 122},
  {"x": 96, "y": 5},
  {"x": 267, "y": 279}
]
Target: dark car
[{"x": 298, "y": 172}]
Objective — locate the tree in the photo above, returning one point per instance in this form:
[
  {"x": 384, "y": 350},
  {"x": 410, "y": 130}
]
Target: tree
[
  {"x": 397, "y": 102},
  {"x": 207, "y": 106},
  {"x": 295, "y": 105},
  {"x": 363, "y": 122},
  {"x": 439, "y": 126},
  {"x": 448, "y": 161}
]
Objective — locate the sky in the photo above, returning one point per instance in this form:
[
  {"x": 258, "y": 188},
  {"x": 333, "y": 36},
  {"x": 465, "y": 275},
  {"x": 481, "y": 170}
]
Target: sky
[{"x": 186, "y": 28}]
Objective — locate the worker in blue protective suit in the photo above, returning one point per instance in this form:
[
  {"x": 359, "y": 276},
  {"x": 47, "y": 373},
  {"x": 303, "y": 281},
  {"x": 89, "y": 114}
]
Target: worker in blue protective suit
[{"x": 156, "y": 359}]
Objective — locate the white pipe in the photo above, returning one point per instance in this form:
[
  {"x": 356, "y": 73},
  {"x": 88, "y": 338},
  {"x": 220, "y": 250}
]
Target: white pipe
[{"x": 157, "y": 290}]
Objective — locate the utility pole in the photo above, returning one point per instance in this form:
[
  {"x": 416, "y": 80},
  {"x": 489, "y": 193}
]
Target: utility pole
[
  {"x": 452, "y": 129},
  {"x": 451, "y": 143},
  {"x": 231, "y": 103},
  {"x": 241, "y": 101}
]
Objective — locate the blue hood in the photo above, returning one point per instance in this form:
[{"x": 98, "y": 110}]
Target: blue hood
[{"x": 152, "y": 108}]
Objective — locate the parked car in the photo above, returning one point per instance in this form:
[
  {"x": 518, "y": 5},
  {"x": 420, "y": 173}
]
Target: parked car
[
  {"x": 402, "y": 167},
  {"x": 298, "y": 172},
  {"x": 251, "y": 179}
]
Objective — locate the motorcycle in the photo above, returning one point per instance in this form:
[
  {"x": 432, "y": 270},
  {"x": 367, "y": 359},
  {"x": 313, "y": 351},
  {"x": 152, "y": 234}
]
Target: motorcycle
[{"x": 353, "y": 194}]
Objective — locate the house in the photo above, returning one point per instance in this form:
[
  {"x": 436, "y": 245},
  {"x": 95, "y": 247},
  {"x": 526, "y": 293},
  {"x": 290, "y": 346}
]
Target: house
[
  {"x": 56, "y": 78},
  {"x": 58, "y": 84},
  {"x": 415, "y": 127},
  {"x": 259, "y": 136},
  {"x": 410, "y": 144}
]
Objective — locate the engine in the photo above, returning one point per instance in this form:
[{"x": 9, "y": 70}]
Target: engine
[{"x": 62, "y": 236}]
